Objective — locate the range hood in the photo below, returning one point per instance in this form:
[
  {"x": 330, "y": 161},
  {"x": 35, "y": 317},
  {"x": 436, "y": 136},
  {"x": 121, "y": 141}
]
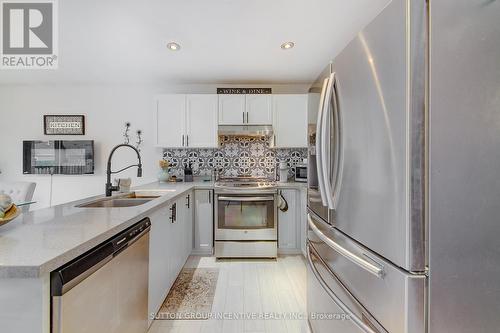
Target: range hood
[{"x": 245, "y": 130}]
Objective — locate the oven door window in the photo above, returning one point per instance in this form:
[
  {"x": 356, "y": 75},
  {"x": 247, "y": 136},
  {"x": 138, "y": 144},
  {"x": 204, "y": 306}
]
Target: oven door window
[{"x": 245, "y": 213}]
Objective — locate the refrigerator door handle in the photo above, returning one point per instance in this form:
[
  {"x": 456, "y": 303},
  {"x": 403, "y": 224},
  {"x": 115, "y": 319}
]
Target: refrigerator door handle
[
  {"x": 325, "y": 165},
  {"x": 339, "y": 150},
  {"x": 356, "y": 320},
  {"x": 319, "y": 127},
  {"x": 361, "y": 262}
]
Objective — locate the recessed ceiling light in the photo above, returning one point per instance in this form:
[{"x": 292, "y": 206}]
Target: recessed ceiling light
[
  {"x": 173, "y": 46},
  {"x": 287, "y": 45}
]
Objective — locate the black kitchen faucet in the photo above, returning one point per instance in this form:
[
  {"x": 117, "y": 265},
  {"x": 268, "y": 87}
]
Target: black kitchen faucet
[{"x": 109, "y": 187}]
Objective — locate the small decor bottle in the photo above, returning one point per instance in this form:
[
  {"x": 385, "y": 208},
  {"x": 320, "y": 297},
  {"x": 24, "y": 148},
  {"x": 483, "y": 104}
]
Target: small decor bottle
[
  {"x": 163, "y": 175},
  {"x": 188, "y": 173},
  {"x": 283, "y": 168}
]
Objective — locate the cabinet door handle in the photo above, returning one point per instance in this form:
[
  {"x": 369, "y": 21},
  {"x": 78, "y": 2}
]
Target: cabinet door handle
[
  {"x": 183, "y": 140},
  {"x": 187, "y": 140},
  {"x": 243, "y": 113},
  {"x": 188, "y": 201},
  {"x": 173, "y": 213}
]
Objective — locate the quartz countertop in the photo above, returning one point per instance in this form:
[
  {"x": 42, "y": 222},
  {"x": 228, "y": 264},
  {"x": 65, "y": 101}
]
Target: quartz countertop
[{"x": 40, "y": 241}]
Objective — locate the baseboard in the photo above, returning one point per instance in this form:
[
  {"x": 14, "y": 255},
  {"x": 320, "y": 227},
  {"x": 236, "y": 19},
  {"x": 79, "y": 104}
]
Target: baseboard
[
  {"x": 248, "y": 249},
  {"x": 209, "y": 252},
  {"x": 202, "y": 252},
  {"x": 289, "y": 251}
]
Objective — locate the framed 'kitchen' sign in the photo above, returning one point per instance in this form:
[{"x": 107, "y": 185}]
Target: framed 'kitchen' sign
[{"x": 64, "y": 124}]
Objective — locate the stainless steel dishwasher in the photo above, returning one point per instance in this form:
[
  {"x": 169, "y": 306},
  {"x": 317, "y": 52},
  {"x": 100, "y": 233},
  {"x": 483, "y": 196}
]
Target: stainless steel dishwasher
[{"x": 106, "y": 288}]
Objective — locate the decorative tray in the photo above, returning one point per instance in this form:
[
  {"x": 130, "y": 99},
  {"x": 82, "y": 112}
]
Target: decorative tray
[{"x": 10, "y": 214}]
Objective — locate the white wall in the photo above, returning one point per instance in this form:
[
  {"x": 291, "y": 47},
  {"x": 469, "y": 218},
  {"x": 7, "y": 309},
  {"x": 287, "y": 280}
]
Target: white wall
[{"x": 106, "y": 109}]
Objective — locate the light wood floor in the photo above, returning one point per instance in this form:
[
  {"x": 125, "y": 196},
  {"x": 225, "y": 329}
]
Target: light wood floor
[{"x": 251, "y": 287}]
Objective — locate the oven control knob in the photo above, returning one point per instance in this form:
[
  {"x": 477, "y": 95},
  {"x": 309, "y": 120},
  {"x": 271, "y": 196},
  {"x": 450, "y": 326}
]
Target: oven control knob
[{"x": 246, "y": 231}]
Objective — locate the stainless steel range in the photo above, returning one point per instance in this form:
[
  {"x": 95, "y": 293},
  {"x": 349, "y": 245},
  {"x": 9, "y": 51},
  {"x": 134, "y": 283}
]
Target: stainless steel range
[{"x": 246, "y": 218}]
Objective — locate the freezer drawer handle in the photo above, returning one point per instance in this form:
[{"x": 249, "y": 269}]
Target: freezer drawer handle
[
  {"x": 335, "y": 298},
  {"x": 366, "y": 265}
]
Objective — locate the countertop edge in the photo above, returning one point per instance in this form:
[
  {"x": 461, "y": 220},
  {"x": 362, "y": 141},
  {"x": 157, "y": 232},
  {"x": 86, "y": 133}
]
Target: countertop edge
[{"x": 27, "y": 272}]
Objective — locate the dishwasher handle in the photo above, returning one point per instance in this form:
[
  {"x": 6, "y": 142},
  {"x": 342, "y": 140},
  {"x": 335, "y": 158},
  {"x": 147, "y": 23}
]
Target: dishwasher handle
[{"x": 68, "y": 276}]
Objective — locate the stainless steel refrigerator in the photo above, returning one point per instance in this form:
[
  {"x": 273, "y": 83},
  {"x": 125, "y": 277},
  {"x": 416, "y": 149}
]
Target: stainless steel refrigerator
[{"x": 404, "y": 165}]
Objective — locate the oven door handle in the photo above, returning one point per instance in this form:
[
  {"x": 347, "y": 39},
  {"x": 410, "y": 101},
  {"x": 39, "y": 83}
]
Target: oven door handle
[{"x": 257, "y": 198}]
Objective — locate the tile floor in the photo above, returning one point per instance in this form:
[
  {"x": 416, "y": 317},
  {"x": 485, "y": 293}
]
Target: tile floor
[{"x": 254, "y": 288}]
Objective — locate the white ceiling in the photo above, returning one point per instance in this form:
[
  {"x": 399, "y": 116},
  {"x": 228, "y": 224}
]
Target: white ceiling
[{"x": 223, "y": 41}]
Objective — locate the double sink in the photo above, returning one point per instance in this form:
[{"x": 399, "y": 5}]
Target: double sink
[{"x": 131, "y": 199}]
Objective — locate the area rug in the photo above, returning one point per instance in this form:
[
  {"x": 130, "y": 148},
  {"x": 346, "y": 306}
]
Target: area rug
[{"x": 191, "y": 296}]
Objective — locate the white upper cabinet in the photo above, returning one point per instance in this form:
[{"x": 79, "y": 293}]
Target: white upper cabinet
[
  {"x": 201, "y": 120},
  {"x": 231, "y": 109},
  {"x": 170, "y": 120},
  {"x": 245, "y": 110},
  {"x": 187, "y": 120},
  {"x": 258, "y": 110},
  {"x": 192, "y": 120},
  {"x": 290, "y": 121}
]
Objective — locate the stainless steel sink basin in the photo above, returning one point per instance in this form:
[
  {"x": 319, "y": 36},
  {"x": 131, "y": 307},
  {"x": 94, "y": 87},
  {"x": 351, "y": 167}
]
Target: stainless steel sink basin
[
  {"x": 147, "y": 193},
  {"x": 118, "y": 202},
  {"x": 131, "y": 199}
]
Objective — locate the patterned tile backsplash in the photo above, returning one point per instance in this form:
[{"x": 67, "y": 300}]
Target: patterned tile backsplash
[{"x": 236, "y": 156}]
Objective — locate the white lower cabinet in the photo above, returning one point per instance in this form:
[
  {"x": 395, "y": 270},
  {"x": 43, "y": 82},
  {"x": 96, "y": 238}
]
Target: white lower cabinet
[
  {"x": 160, "y": 258},
  {"x": 203, "y": 222},
  {"x": 189, "y": 227},
  {"x": 178, "y": 241},
  {"x": 184, "y": 228},
  {"x": 170, "y": 244},
  {"x": 291, "y": 236}
]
